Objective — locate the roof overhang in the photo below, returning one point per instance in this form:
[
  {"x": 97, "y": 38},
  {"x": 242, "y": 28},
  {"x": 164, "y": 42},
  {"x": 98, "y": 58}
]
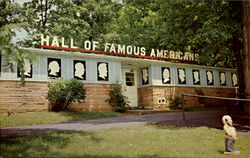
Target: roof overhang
[{"x": 125, "y": 61}]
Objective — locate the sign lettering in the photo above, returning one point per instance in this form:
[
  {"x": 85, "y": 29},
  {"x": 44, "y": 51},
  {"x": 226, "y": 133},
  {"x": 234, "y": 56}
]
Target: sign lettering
[{"x": 117, "y": 49}]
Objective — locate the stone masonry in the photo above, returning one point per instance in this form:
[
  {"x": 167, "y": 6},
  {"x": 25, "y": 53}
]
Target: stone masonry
[
  {"x": 32, "y": 97},
  {"x": 153, "y": 96}
]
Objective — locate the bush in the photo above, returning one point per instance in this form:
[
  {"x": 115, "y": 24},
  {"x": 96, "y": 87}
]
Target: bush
[
  {"x": 175, "y": 101},
  {"x": 63, "y": 92},
  {"x": 117, "y": 100}
]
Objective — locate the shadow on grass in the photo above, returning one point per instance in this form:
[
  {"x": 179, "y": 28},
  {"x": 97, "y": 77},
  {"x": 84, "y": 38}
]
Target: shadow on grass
[
  {"x": 112, "y": 156},
  {"x": 221, "y": 151},
  {"x": 164, "y": 126},
  {"x": 39, "y": 145},
  {"x": 96, "y": 156},
  {"x": 149, "y": 156},
  {"x": 75, "y": 116}
]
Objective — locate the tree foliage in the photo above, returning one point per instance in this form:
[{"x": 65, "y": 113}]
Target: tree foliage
[
  {"x": 10, "y": 20},
  {"x": 202, "y": 27},
  {"x": 80, "y": 20}
]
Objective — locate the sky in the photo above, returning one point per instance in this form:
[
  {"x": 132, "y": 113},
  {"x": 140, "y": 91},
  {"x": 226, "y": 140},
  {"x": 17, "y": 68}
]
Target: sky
[
  {"x": 21, "y": 1},
  {"x": 20, "y": 33}
]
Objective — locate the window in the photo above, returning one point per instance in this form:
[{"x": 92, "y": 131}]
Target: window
[
  {"x": 130, "y": 79},
  {"x": 222, "y": 78},
  {"x": 54, "y": 67},
  {"x": 28, "y": 69},
  {"x": 102, "y": 71},
  {"x": 234, "y": 79},
  {"x": 145, "y": 79},
  {"x": 165, "y": 71},
  {"x": 181, "y": 76},
  {"x": 210, "y": 78},
  {"x": 79, "y": 69},
  {"x": 196, "y": 77}
]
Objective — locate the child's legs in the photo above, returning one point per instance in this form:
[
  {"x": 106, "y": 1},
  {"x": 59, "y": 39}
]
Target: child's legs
[
  {"x": 229, "y": 142},
  {"x": 232, "y": 145}
]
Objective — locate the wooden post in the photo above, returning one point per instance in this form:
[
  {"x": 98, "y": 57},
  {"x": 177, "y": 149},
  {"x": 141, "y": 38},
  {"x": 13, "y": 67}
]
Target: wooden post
[{"x": 183, "y": 108}]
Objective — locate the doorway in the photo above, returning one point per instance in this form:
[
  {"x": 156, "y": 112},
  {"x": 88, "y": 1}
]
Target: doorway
[{"x": 129, "y": 86}]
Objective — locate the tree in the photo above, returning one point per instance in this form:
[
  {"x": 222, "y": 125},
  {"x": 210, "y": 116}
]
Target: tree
[
  {"x": 138, "y": 24},
  {"x": 205, "y": 28},
  {"x": 246, "y": 50},
  {"x": 80, "y": 20},
  {"x": 9, "y": 20}
]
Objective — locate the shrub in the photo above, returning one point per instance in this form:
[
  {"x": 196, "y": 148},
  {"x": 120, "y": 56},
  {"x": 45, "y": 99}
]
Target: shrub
[
  {"x": 63, "y": 92},
  {"x": 175, "y": 101},
  {"x": 117, "y": 100}
]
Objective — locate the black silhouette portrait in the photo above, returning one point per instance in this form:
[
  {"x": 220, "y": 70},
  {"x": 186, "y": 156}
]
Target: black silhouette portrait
[
  {"x": 28, "y": 69},
  {"x": 165, "y": 71},
  {"x": 54, "y": 67},
  {"x": 181, "y": 76},
  {"x": 210, "y": 77},
  {"x": 79, "y": 69},
  {"x": 145, "y": 79},
  {"x": 102, "y": 71},
  {"x": 196, "y": 77}
]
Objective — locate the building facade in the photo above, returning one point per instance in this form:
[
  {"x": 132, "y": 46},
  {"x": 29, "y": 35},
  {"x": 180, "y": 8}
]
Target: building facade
[{"x": 147, "y": 83}]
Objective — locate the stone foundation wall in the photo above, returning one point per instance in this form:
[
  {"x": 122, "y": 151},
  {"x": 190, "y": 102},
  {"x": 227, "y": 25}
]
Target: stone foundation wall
[
  {"x": 16, "y": 98},
  {"x": 158, "y": 97},
  {"x": 32, "y": 97},
  {"x": 145, "y": 96},
  {"x": 96, "y": 96}
]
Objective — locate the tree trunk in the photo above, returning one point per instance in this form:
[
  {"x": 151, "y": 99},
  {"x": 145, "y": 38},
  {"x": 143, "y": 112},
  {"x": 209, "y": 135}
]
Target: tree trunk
[
  {"x": 246, "y": 56},
  {"x": 45, "y": 16},
  {"x": 237, "y": 48},
  {"x": 240, "y": 67},
  {"x": 41, "y": 1}
]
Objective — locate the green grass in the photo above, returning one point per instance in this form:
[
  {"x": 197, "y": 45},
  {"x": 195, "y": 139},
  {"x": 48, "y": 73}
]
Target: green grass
[
  {"x": 151, "y": 141},
  {"x": 21, "y": 119}
]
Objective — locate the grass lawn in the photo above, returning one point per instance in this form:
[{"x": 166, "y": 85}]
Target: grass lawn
[
  {"x": 33, "y": 118},
  {"x": 150, "y": 141}
]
